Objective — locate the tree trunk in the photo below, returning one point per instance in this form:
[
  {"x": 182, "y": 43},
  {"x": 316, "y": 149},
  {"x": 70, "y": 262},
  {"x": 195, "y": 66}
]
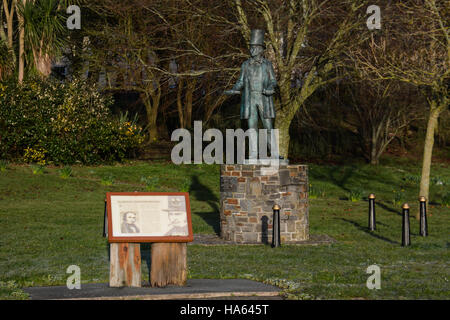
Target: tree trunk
[
  {"x": 185, "y": 110},
  {"x": 373, "y": 148},
  {"x": 9, "y": 14},
  {"x": 211, "y": 105},
  {"x": 152, "y": 115},
  {"x": 289, "y": 107},
  {"x": 10, "y": 32},
  {"x": 42, "y": 62},
  {"x": 378, "y": 144},
  {"x": 374, "y": 161},
  {"x": 189, "y": 98},
  {"x": 180, "y": 102},
  {"x": 21, "y": 46},
  {"x": 284, "y": 137},
  {"x": 428, "y": 152},
  {"x": 284, "y": 117},
  {"x": 151, "y": 103}
]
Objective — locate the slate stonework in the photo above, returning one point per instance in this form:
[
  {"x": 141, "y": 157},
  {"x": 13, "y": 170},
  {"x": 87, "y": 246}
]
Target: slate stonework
[{"x": 247, "y": 195}]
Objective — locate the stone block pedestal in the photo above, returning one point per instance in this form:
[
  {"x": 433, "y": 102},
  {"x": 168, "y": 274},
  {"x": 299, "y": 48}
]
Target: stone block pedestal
[{"x": 247, "y": 195}]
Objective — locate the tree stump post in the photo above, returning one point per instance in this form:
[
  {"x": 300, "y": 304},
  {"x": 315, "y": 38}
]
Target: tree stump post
[
  {"x": 125, "y": 265},
  {"x": 169, "y": 264}
]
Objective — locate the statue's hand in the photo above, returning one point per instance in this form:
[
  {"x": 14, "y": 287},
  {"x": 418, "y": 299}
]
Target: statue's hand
[
  {"x": 268, "y": 92},
  {"x": 231, "y": 92}
]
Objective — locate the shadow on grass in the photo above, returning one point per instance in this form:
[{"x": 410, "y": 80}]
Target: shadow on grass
[
  {"x": 387, "y": 208},
  {"x": 348, "y": 176},
  {"x": 366, "y": 230},
  {"x": 340, "y": 181},
  {"x": 211, "y": 218},
  {"x": 339, "y": 176},
  {"x": 382, "y": 206},
  {"x": 381, "y": 224},
  {"x": 205, "y": 194}
]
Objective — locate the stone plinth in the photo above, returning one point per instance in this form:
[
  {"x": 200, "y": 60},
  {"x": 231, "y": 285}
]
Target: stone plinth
[{"x": 247, "y": 195}]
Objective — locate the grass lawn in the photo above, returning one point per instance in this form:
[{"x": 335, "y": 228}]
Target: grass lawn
[{"x": 48, "y": 223}]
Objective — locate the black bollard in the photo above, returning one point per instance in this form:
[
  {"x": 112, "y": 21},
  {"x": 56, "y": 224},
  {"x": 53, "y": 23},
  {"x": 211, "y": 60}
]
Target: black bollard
[
  {"x": 276, "y": 239},
  {"x": 372, "y": 220},
  {"x": 406, "y": 240},
  {"x": 423, "y": 217}
]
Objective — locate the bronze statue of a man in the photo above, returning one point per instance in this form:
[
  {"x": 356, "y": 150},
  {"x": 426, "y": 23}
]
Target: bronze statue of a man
[{"x": 258, "y": 82}]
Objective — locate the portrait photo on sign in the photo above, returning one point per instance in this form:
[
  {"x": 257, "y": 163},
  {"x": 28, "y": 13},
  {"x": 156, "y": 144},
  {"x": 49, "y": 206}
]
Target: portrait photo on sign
[
  {"x": 177, "y": 217},
  {"x": 148, "y": 215},
  {"x": 129, "y": 222}
]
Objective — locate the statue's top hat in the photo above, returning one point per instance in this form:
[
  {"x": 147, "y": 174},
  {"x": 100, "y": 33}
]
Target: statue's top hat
[{"x": 257, "y": 38}]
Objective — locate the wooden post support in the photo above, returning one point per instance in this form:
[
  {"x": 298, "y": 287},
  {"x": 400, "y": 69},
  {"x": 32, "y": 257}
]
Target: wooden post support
[
  {"x": 169, "y": 264},
  {"x": 125, "y": 265}
]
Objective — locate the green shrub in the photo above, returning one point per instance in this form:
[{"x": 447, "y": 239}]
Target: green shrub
[
  {"x": 438, "y": 181},
  {"x": 65, "y": 172},
  {"x": 6, "y": 60},
  {"x": 446, "y": 199},
  {"x": 355, "y": 195},
  {"x": 107, "y": 180},
  {"x": 186, "y": 185},
  {"x": 151, "y": 183},
  {"x": 11, "y": 290},
  {"x": 412, "y": 179},
  {"x": 3, "y": 165},
  {"x": 399, "y": 197},
  {"x": 37, "y": 169},
  {"x": 315, "y": 192},
  {"x": 62, "y": 123}
]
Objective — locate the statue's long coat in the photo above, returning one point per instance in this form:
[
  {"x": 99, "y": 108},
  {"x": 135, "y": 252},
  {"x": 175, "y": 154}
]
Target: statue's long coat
[{"x": 269, "y": 83}]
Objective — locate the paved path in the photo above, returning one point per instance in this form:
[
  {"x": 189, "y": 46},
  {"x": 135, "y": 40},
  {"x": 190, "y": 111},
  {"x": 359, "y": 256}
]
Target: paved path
[{"x": 195, "y": 289}]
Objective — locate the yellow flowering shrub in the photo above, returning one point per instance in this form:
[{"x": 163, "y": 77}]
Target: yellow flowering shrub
[{"x": 35, "y": 156}]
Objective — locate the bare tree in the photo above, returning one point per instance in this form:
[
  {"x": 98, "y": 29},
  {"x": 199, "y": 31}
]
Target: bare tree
[
  {"x": 415, "y": 49},
  {"x": 129, "y": 45},
  {"x": 378, "y": 111},
  {"x": 199, "y": 42}
]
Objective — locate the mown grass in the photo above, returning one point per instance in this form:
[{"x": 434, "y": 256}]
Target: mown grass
[{"x": 48, "y": 223}]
